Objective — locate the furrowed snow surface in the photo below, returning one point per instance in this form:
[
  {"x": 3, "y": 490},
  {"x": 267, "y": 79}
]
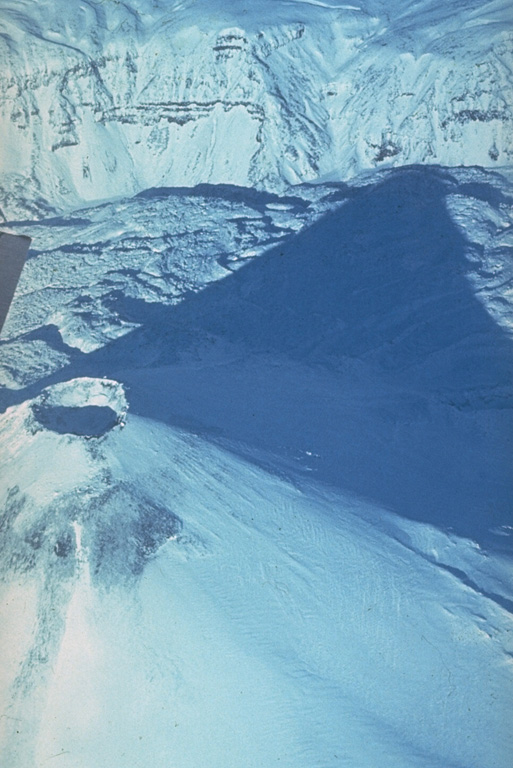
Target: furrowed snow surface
[
  {"x": 255, "y": 479},
  {"x": 255, "y": 433}
]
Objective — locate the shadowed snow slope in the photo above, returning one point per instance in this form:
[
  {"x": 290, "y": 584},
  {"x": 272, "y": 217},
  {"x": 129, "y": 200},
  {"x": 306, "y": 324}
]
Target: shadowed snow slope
[
  {"x": 113, "y": 97},
  {"x": 282, "y": 535}
]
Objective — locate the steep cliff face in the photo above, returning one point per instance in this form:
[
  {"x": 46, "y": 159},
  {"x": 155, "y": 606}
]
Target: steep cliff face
[{"x": 112, "y": 98}]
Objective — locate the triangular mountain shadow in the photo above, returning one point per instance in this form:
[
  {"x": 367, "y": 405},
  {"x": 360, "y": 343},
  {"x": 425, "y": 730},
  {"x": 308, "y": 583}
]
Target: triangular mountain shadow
[
  {"x": 383, "y": 276},
  {"x": 383, "y": 279}
]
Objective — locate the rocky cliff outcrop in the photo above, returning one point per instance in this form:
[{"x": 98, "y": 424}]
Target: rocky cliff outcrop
[{"x": 113, "y": 98}]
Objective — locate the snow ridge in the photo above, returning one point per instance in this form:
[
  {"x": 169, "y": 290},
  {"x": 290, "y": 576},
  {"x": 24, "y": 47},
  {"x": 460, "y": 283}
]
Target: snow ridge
[{"x": 255, "y": 487}]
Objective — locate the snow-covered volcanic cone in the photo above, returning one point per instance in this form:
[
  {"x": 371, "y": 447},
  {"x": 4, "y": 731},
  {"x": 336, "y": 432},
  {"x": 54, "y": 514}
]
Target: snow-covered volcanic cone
[
  {"x": 293, "y": 547},
  {"x": 255, "y": 431}
]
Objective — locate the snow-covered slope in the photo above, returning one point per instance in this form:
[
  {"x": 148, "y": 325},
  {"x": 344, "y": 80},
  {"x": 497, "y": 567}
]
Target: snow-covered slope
[
  {"x": 255, "y": 479},
  {"x": 111, "y": 97},
  {"x": 255, "y": 485}
]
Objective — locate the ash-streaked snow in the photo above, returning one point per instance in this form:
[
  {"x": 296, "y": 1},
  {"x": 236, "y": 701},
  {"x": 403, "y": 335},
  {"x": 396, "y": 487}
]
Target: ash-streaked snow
[
  {"x": 255, "y": 432},
  {"x": 285, "y": 536}
]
